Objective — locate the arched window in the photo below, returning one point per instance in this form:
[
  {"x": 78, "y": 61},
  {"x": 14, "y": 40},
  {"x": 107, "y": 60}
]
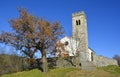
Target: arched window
[
  {"x": 78, "y": 22},
  {"x": 66, "y": 43}
]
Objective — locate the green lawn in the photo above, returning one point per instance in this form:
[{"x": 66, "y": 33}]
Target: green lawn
[{"x": 109, "y": 71}]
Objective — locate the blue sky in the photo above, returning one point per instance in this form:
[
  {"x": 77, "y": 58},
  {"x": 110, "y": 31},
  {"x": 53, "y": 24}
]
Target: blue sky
[{"x": 103, "y": 19}]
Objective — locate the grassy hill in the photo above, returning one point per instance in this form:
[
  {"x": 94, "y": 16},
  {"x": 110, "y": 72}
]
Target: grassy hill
[{"x": 109, "y": 71}]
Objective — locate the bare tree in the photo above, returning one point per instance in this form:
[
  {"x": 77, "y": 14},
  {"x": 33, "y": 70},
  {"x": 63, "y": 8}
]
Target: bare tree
[{"x": 117, "y": 57}]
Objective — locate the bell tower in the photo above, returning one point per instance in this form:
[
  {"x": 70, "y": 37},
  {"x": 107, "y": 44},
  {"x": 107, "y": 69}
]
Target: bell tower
[{"x": 79, "y": 33}]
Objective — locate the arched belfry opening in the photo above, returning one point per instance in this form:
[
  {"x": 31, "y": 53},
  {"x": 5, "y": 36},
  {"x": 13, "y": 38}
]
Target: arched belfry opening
[{"x": 78, "y": 22}]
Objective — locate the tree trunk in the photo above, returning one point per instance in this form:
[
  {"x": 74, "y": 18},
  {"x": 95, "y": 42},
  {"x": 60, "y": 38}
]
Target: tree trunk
[{"x": 44, "y": 63}]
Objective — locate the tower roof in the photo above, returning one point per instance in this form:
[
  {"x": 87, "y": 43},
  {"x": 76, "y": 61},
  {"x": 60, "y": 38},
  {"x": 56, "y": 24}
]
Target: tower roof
[{"x": 78, "y": 13}]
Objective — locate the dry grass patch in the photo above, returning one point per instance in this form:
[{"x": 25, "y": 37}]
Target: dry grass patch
[{"x": 95, "y": 73}]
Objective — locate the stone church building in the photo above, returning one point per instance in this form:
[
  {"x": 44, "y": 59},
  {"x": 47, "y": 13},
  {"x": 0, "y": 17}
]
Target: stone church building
[{"x": 78, "y": 44}]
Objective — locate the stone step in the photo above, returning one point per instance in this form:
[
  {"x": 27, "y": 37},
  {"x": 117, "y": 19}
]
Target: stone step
[
  {"x": 86, "y": 65},
  {"x": 88, "y": 68}
]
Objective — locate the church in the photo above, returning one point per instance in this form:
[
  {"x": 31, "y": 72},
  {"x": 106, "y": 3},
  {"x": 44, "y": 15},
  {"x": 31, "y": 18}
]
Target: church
[{"x": 77, "y": 45}]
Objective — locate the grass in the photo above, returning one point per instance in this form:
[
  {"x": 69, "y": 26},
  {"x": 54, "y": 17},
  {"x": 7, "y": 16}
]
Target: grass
[
  {"x": 109, "y": 71},
  {"x": 60, "y": 72}
]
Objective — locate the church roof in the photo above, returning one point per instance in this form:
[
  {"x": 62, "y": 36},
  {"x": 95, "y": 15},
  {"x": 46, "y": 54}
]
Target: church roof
[{"x": 91, "y": 49}]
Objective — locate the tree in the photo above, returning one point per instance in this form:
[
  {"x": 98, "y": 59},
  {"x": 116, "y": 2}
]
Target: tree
[
  {"x": 32, "y": 33},
  {"x": 117, "y": 57}
]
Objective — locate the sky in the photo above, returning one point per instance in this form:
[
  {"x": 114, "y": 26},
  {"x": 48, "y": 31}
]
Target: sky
[{"x": 103, "y": 19}]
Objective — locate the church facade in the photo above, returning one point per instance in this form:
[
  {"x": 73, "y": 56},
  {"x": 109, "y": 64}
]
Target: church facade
[{"x": 78, "y": 44}]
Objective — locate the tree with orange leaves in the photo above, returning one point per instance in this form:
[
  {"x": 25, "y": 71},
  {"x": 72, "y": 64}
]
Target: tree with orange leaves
[{"x": 33, "y": 33}]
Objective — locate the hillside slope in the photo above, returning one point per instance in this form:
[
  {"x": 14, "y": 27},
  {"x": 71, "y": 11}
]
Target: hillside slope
[{"x": 109, "y": 71}]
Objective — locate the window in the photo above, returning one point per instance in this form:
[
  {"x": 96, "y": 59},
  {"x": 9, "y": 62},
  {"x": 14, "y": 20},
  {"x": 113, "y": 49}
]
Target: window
[
  {"x": 91, "y": 56},
  {"x": 66, "y": 43},
  {"x": 78, "y": 22}
]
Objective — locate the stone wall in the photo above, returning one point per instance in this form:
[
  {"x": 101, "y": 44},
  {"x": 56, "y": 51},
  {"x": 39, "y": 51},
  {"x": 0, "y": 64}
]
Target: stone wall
[
  {"x": 64, "y": 62},
  {"x": 104, "y": 61}
]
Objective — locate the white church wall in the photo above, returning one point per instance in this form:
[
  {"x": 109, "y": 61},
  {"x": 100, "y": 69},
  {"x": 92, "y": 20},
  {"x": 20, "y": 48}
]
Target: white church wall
[
  {"x": 72, "y": 46},
  {"x": 89, "y": 54}
]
